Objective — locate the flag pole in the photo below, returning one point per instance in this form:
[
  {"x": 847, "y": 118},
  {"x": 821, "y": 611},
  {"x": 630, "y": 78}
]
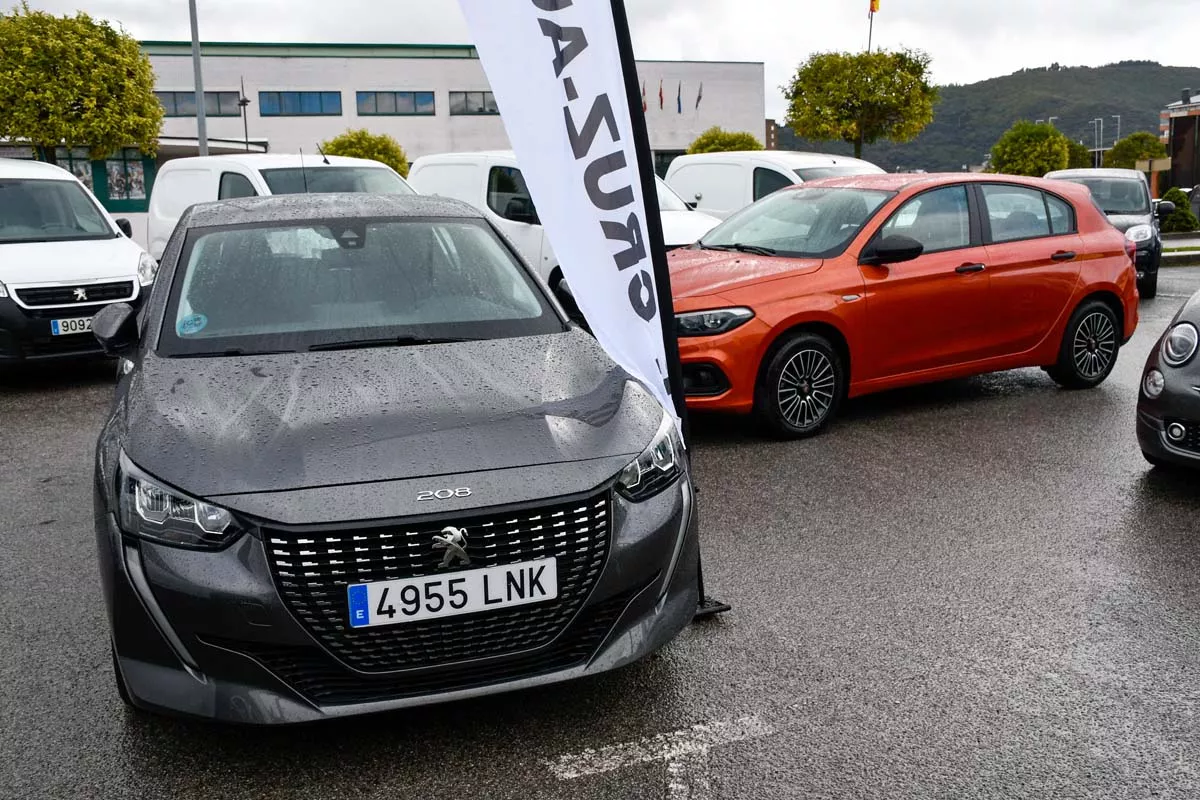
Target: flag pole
[
  {"x": 870, "y": 29},
  {"x": 658, "y": 250}
]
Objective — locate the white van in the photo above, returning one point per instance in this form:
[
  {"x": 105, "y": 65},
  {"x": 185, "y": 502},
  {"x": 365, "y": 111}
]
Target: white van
[
  {"x": 722, "y": 183},
  {"x": 184, "y": 182},
  {"x": 492, "y": 183},
  {"x": 62, "y": 259}
]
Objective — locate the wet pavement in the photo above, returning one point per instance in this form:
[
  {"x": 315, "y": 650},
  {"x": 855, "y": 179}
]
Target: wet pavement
[{"x": 972, "y": 589}]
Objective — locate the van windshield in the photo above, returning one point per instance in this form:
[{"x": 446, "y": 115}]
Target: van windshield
[
  {"x": 319, "y": 179},
  {"x": 1117, "y": 196},
  {"x": 48, "y": 211}
]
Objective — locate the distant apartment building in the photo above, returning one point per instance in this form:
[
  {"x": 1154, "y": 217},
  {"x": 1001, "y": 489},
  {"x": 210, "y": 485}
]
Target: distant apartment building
[{"x": 1179, "y": 128}]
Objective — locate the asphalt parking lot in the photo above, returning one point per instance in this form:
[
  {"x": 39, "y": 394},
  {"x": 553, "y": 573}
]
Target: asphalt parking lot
[{"x": 973, "y": 589}]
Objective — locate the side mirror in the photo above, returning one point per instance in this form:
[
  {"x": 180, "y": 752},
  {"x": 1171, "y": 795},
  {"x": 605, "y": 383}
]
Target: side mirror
[
  {"x": 115, "y": 327},
  {"x": 126, "y": 227},
  {"x": 520, "y": 209},
  {"x": 566, "y": 298},
  {"x": 692, "y": 205},
  {"x": 893, "y": 249},
  {"x": 1165, "y": 209}
]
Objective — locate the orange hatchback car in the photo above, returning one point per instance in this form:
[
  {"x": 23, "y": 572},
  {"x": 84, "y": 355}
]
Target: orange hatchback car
[{"x": 847, "y": 286}]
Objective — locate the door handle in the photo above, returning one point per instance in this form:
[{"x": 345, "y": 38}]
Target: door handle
[
  {"x": 1064, "y": 255},
  {"x": 967, "y": 269}
]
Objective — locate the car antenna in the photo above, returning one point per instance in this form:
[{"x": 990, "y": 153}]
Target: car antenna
[
  {"x": 303, "y": 172},
  {"x": 324, "y": 157}
]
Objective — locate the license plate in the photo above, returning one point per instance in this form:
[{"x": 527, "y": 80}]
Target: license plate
[
  {"x": 453, "y": 594},
  {"x": 65, "y": 327}
]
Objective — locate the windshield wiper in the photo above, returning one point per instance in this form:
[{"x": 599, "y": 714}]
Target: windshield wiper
[
  {"x": 389, "y": 341},
  {"x": 741, "y": 248},
  {"x": 233, "y": 351}
]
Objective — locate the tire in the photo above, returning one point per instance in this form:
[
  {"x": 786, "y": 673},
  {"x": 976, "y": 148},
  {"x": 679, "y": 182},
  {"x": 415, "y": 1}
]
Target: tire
[
  {"x": 1148, "y": 286},
  {"x": 119, "y": 679},
  {"x": 801, "y": 388},
  {"x": 1089, "y": 348}
]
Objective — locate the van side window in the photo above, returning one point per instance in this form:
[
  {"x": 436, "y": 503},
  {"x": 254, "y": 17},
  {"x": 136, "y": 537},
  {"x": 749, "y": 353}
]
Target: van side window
[
  {"x": 235, "y": 185},
  {"x": 768, "y": 181},
  {"x": 509, "y": 197}
]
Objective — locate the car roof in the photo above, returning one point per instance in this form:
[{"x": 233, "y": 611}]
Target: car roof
[
  {"x": 33, "y": 170},
  {"x": 902, "y": 181},
  {"x": 1106, "y": 172},
  {"x": 300, "y": 207},
  {"x": 270, "y": 161},
  {"x": 791, "y": 159}
]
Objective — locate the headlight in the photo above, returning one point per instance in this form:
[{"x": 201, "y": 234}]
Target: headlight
[
  {"x": 147, "y": 269},
  {"x": 657, "y": 467},
  {"x": 1180, "y": 344},
  {"x": 1140, "y": 233},
  {"x": 711, "y": 323},
  {"x": 3, "y": 291},
  {"x": 150, "y": 510},
  {"x": 1154, "y": 384}
]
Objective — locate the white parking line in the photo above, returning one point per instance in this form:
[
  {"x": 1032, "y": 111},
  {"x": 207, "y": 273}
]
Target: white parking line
[{"x": 685, "y": 753}]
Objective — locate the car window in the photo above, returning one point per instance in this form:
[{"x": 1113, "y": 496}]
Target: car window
[
  {"x": 48, "y": 211},
  {"x": 667, "y": 199},
  {"x": 508, "y": 195},
  {"x": 268, "y": 288},
  {"x": 1062, "y": 216},
  {"x": 768, "y": 181},
  {"x": 1116, "y": 196},
  {"x": 1015, "y": 212},
  {"x": 318, "y": 179},
  {"x": 807, "y": 222},
  {"x": 939, "y": 219},
  {"x": 234, "y": 185}
]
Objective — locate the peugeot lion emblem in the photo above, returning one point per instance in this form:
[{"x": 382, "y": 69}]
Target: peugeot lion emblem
[
  {"x": 454, "y": 542},
  {"x": 81, "y": 295}
]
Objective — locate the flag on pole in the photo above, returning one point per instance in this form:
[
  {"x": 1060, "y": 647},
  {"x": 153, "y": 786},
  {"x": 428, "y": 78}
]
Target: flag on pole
[
  {"x": 874, "y": 6},
  {"x": 661, "y": 98},
  {"x": 699, "y": 95},
  {"x": 679, "y": 99}
]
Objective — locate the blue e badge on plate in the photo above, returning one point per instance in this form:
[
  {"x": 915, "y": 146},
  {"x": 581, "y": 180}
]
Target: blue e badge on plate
[
  {"x": 193, "y": 323},
  {"x": 359, "y": 606}
]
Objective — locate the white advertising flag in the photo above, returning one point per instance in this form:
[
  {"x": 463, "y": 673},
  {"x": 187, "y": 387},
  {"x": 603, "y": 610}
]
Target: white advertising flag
[{"x": 556, "y": 70}]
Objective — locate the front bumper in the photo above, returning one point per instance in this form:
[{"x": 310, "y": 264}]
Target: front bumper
[
  {"x": 25, "y": 333},
  {"x": 208, "y": 635},
  {"x": 721, "y": 371},
  {"x": 1179, "y": 403},
  {"x": 1148, "y": 258}
]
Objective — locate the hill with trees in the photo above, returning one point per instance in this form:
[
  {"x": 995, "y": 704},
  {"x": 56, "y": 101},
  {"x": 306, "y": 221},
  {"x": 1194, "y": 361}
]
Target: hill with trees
[{"x": 969, "y": 119}]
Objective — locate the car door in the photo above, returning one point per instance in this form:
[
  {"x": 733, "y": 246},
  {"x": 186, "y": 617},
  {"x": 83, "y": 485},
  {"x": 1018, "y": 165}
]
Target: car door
[
  {"x": 925, "y": 314},
  {"x": 509, "y": 200},
  {"x": 1033, "y": 257}
]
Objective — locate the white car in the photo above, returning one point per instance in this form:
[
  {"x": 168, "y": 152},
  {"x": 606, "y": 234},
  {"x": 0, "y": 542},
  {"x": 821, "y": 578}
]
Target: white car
[
  {"x": 184, "y": 182},
  {"x": 721, "y": 184},
  {"x": 492, "y": 183},
  {"x": 62, "y": 259}
]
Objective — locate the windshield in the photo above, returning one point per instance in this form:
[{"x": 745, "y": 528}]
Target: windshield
[
  {"x": 335, "y": 180},
  {"x": 49, "y": 211},
  {"x": 667, "y": 199},
  {"x": 1117, "y": 195},
  {"x": 348, "y": 283},
  {"x": 808, "y": 222},
  {"x": 816, "y": 173}
]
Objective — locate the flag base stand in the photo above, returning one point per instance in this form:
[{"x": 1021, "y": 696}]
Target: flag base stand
[{"x": 708, "y": 607}]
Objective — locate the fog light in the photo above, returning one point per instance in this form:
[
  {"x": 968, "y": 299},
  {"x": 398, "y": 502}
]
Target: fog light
[
  {"x": 1176, "y": 432},
  {"x": 1154, "y": 384}
]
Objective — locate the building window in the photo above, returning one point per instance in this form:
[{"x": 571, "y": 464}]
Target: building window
[
  {"x": 300, "y": 104},
  {"x": 126, "y": 175},
  {"x": 216, "y": 104},
  {"x": 77, "y": 161},
  {"x": 400, "y": 104},
  {"x": 464, "y": 103}
]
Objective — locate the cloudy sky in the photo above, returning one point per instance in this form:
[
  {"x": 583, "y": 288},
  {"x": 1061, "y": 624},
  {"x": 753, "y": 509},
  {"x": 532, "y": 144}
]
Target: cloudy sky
[{"x": 969, "y": 39}]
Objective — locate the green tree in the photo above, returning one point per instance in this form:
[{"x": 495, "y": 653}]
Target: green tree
[
  {"x": 1182, "y": 220},
  {"x": 719, "y": 140},
  {"x": 1079, "y": 157},
  {"x": 1126, "y": 153},
  {"x": 362, "y": 143},
  {"x": 75, "y": 81},
  {"x": 861, "y": 97},
  {"x": 1029, "y": 148}
]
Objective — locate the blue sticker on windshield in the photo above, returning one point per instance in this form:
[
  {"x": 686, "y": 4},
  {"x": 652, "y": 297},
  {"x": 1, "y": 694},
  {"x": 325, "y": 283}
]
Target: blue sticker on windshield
[{"x": 193, "y": 323}]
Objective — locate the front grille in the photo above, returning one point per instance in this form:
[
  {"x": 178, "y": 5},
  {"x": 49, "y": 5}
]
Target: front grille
[
  {"x": 75, "y": 343},
  {"x": 312, "y": 673},
  {"x": 1192, "y": 440},
  {"x": 313, "y": 569},
  {"x": 66, "y": 295}
]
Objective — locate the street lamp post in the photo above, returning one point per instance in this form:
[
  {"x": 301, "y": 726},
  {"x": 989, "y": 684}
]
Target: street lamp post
[
  {"x": 1051, "y": 120},
  {"x": 1117, "y": 117},
  {"x": 201, "y": 111}
]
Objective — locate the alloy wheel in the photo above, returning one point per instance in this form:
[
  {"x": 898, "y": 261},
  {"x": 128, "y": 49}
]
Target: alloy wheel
[
  {"x": 1095, "y": 345},
  {"x": 806, "y": 388}
]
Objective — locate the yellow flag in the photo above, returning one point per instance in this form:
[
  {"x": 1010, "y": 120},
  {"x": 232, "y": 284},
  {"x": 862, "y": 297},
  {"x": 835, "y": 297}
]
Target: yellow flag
[{"x": 874, "y": 6}]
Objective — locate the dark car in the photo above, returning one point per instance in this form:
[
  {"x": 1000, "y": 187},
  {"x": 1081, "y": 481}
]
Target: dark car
[
  {"x": 1168, "y": 420},
  {"x": 359, "y": 460},
  {"x": 1124, "y": 196}
]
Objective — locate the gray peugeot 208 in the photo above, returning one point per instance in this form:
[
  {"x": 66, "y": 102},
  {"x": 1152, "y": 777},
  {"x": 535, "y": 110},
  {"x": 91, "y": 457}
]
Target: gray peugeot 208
[{"x": 360, "y": 459}]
